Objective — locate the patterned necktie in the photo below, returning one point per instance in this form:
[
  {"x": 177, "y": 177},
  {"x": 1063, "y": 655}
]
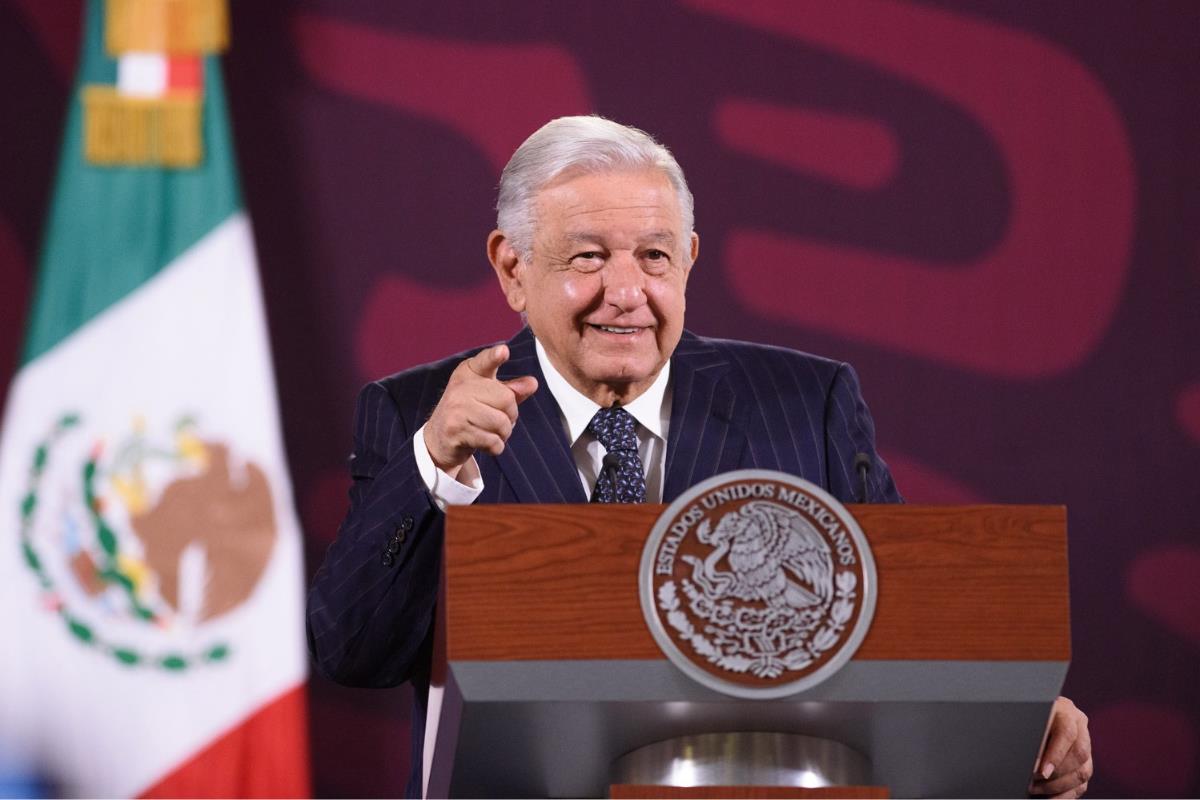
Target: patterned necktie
[{"x": 614, "y": 427}]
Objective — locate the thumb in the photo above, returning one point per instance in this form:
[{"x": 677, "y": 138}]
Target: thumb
[
  {"x": 486, "y": 362},
  {"x": 523, "y": 387}
]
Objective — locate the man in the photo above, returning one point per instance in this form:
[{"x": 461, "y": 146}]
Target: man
[{"x": 603, "y": 395}]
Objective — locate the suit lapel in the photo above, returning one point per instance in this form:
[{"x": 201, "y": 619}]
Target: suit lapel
[
  {"x": 703, "y": 439},
  {"x": 537, "y": 460}
]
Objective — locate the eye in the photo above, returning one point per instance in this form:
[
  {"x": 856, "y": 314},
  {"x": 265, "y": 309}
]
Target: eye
[
  {"x": 656, "y": 261},
  {"x": 589, "y": 260}
]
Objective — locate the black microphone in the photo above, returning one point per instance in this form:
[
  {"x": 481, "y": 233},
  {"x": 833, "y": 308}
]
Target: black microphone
[
  {"x": 862, "y": 463},
  {"x": 610, "y": 465}
]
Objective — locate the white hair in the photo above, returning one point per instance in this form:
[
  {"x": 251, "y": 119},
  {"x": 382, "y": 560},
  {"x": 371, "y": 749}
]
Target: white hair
[{"x": 579, "y": 144}]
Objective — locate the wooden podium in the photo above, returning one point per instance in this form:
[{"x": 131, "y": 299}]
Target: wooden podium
[{"x": 545, "y": 672}]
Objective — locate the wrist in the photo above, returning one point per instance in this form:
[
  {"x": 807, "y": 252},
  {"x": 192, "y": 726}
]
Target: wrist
[
  {"x": 449, "y": 467},
  {"x": 466, "y": 473}
]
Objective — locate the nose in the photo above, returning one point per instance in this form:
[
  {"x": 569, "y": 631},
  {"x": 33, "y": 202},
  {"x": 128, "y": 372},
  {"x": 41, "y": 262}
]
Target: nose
[{"x": 624, "y": 282}]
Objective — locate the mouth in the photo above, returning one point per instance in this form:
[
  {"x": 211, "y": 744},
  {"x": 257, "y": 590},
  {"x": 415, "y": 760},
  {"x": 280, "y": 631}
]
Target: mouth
[{"x": 617, "y": 330}]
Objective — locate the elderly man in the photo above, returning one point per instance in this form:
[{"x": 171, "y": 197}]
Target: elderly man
[{"x": 603, "y": 396}]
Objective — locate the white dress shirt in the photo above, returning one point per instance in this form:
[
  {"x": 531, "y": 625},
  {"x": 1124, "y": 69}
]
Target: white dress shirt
[{"x": 651, "y": 410}]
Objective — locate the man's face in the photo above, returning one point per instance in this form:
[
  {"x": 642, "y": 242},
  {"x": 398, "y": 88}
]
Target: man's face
[{"x": 604, "y": 285}]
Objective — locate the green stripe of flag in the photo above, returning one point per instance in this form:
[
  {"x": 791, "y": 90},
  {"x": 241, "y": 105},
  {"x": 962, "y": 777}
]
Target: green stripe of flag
[{"x": 113, "y": 228}]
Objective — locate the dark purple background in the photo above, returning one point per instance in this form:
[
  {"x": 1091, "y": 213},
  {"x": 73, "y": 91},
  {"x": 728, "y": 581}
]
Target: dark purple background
[{"x": 991, "y": 209}]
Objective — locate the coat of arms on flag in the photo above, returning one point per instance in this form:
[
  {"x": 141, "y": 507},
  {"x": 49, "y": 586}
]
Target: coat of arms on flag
[{"x": 167, "y": 532}]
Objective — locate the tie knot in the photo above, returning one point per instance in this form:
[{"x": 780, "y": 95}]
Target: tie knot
[
  {"x": 615, "y": 428},
  {"x": 625, "y": 480}
]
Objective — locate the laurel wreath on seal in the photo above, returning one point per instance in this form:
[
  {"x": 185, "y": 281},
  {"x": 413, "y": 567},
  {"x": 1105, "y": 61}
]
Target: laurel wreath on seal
[{"x": 761, "y": 664}]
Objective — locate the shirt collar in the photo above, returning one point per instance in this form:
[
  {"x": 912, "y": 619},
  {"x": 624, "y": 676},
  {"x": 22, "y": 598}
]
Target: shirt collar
[{"x": 578, "y": 409}]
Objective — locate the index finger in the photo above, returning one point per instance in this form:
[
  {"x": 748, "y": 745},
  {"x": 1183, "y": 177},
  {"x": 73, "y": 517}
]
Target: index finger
[
  {"x": 487, "y": 361},
  {"x": 1064, "y": 731}
]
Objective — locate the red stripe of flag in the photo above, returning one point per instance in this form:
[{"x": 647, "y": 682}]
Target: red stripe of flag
[{"x": 264, "y": 756}]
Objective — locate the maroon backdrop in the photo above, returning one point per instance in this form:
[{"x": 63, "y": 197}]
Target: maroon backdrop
[{"x": 990, "y": 208}]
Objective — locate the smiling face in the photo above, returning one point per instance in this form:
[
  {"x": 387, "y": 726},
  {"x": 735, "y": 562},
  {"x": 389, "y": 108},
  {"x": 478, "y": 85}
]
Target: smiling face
[{"x": 603, "y": 287}]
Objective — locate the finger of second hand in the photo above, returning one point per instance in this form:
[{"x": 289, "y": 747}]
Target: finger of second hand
[
  {"x": 1057, "y": 785},
  {"x": 1062, "y": 735},
  {"x": 1074, "y": 758}
]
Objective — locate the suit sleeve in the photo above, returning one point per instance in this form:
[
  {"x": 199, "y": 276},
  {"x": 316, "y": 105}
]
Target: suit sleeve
[
  {"x": 849, "y": 430},
  {"x": 371, "y": 605}
]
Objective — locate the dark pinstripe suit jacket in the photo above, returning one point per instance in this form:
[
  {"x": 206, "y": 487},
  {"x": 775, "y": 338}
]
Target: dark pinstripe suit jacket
[{"x": 735, "y": 406}]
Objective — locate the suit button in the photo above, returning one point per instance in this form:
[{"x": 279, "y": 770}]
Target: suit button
[
  {"x": 405, "y": 524},
  {"x": 388, "y": 559},
  {"x": 394, "y": 545}
]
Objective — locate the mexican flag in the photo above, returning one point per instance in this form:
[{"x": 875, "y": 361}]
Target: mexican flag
[{"x": 151, "y": 586}]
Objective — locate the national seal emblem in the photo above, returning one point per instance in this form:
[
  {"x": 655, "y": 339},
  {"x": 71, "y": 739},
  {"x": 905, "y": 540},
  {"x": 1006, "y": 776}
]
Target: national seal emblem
[{"x": 758, "y": 584}]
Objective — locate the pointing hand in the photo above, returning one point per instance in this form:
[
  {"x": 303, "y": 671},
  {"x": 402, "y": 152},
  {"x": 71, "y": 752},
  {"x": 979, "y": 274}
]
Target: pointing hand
[{"x": 477, "y": 411}]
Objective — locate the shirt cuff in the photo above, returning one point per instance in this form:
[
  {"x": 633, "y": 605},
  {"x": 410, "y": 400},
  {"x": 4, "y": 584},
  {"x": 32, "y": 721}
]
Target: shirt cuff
[{"x": 446, "y": 491}]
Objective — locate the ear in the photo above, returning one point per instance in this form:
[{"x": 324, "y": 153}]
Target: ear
[
  {"x": 692, "y": 256},
  {"x": 510, "y": 269}
]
